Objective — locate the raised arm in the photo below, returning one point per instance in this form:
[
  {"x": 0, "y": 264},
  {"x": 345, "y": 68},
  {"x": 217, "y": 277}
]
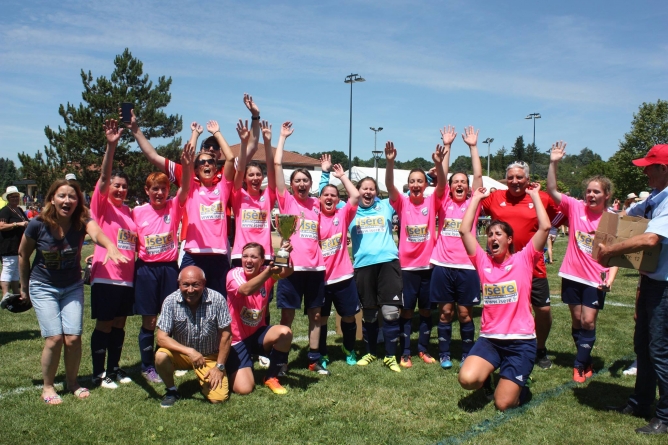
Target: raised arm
[
  {"x": 113, "y": 133},
  {"x": 353, "y": 193},
  {"x": 153, "y": 157},
  {"x": 448, "y": 135},
  {"x": 326, "y": 166},
  {"x": 470, "y": 137},
  {"x": 213, "y": 128},
  {"x": 390, "y": 156},
  {"x": 244, "y": 136},
  {"x": 440, "y": 157},
  {"x": 544, "y": 224},
  {"x": 268, "y": 155},
  {"x": 466, "y": 227},
  {"x": 255, "y": 126},
  {"x": 196, "y": 130},
  {"x": 286, "y": 131},
  {"x": 188, "y": 162},
  {"x": 556, "y": 154}
]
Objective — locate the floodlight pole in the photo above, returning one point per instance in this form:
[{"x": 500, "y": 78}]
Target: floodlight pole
[
  {"x": 533, "y": 116},
  {"x": 351, "y": 79},
  {"x": 488, "y": 141}
]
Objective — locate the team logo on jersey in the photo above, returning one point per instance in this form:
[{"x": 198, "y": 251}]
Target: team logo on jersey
[
  {"x": 500, "y": 293},
  {"x": 335, "y": 221},
  {"x": 250, "y": 317},
  {"x": 424, "y": 211},
  {"x": 159, "y": 243},
  {"x": 254, "y": 219},
  {"x": 376, "y": 208},
  {"x": 508, "y": 267},
  {"x": 144, "y": 224},
  {"x": 585, "y": 241},
  {"x": 216, "y": 192},
  {"x": 262, "y": 198},
  {"x": 263, "y": 292},
  {"x": 417, "y": 233},
  {"x": 451, "y": 207},
  {"x": 126, "y": 239},
  {"x": 214, "y": 211},
  {"x": 531, "y": 205},
  {"x": 316, "y": 210},
  {"x": 308, "y": 229},
  {"x": 167, "y": 219},
  {"x": 503, "y": 204},
  {"x": 370, "y": 224},
  {"x": 451, "y": 227},
  {"x": 331, "y": 245}
]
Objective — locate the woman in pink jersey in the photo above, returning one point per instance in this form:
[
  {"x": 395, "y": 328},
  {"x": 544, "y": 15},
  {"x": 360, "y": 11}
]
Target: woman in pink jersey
[
  {"x": 251, "y": 205},
  {"x": 157, "y": 271},
  {"x": 340, "y": 287},
  {"x": 112, "y": 293},
  {"x": 584, "y": 281},
  {"x": 308, "y": 281},
  {"x": 507, "y": 331},
  {"x": 416, "y": 243},
  {"x": 454, "y": 279},
  {"x": 248, "y": 290},
  {"x": 206, "y": 232}
]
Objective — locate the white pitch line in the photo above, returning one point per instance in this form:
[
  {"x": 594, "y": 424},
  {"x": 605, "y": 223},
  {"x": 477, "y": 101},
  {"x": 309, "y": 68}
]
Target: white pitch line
[
  {"x": 305, "y": 337},
  {"x": 23, "y": 389}
]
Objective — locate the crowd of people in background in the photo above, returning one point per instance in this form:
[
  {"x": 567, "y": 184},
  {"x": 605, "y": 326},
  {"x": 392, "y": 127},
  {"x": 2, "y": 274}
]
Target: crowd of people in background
[{"x": 204, "y": 296}]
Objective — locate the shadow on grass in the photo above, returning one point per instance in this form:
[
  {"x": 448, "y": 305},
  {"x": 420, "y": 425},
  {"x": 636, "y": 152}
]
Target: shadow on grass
[
  {"x": 9, "y": 337},
  {"x": 292, "y": 379},
  {"x": 566, "y": 359},
  {"x": 474, "y": 401},
  {"x": 599, "y": 395}
]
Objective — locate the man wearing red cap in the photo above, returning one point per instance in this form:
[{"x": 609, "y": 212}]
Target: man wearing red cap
[{"x": 651, "y": 332}]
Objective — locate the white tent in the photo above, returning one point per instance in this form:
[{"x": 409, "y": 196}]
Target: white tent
[{"x": 400, "y": 179}]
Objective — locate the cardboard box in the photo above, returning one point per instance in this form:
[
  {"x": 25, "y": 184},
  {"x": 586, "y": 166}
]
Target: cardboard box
[{"x": 613, "y": 229}]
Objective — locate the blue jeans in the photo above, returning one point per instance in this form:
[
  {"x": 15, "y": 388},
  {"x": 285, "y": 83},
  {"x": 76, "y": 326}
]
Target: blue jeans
[
  {"x": 59, "y": 310},
  {"x": 650, "y": 342}
]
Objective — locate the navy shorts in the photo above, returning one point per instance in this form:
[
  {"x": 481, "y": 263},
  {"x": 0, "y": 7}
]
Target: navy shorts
[
  {"x": 540, "y": 292},
  {"x": 307, "y": 283},
  {"x": 580, "y": 294},
  {"x": 416, "y": 288},
  {"x": 108, "y": 301},
  {"x": 514, "y": 357},
  {"x": 452, "y": 285},
  {"x": 344, "y": 296},
  {"x": 153, "y": 282},
  {"x": 215, "y": 269},
  {"x": 380, "y": 285},
  {"x": 240, "y": 353}
]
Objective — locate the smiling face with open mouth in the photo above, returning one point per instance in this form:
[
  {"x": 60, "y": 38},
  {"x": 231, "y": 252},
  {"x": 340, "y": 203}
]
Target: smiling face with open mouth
[
  {"x": 517, "y": 181},
  {"x": 65, "y": 201},
  {"x": 367, "y": 188},
  {"x": 499, "y": 242},
  {"x": 253, "y": 180},
  {"x": 301, "y": 184},
  {"x": 417, "y": 183},
  {"x": 205, "y": 168},
  {"x": 329, "y": 199},
  {"x": 118, "y": 190},
  {"x": 251, "y": 261},
  {"x": 596, "y": 197},
  {"x": 459, "y": 187}
]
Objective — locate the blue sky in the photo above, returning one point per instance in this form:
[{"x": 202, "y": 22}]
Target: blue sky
[{"x": 585, "y": 66}]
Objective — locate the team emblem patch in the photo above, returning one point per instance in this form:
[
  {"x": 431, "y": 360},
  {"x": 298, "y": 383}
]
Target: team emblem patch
[
  {"x": 376, "y": 208},
  {"x": 216, "y": 192},
  {"x": 335, "y": 221},
  {"x": 167, "y": 219},
  {"x": 261, "y": 198},
  {"x": 531, "y": 205},
  {"x": 425, "y": 211},
  {"x": 263, "y": 292},
  {"x": 316, "y": 210}
]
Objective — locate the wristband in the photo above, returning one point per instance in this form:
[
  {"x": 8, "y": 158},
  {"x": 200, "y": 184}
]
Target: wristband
[{"x": 255, "y": 118}]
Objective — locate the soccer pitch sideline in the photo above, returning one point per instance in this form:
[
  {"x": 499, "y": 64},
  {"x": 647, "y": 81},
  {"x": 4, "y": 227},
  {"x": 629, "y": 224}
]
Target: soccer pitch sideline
[{"x": 420, "y": 405}]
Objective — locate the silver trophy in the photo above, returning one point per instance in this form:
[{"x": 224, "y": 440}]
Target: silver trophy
[
  {"x": 286, "y": 225},
  {"x": 604, "y": 275}
]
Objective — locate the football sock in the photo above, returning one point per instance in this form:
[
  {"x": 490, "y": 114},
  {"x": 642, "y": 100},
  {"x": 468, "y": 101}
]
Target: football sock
[
  {"x": 348, "y": 330},
  {"x": 314, "y": 355},
  {"x": 404, "y": 326},
  {"x": 99, "y": 342},
  {"x": 276, "y": 360},
  {"x": 322, "y": 343},
  {"x": 146, "y": 340},
  {"x": 575, "y": 333},
  {"x": 116, "y": 339},
  {"x": 370, "y": 335},
  {"x": 467, "y": 332},
  {"x": 585, "y": 345},
  {"x": 425, "y": 333},
  {"x": 444, "y": 331},
  {"x": 391, "y": 335}
]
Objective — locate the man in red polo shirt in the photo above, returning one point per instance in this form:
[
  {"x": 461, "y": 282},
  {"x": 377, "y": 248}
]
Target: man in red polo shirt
[{"x": 514, "y": 206}]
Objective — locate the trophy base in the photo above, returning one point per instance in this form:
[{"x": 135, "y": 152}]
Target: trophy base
[{"x": 282, "y": 261}]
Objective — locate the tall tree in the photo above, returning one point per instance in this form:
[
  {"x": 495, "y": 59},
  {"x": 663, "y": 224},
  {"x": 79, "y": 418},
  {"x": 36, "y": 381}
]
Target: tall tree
[
  {"x": 8, "y": 174},
  {"x": 80, "y": 145},
  {"x": 649, "y": 127},
  {"x": 519, "y": 150}
]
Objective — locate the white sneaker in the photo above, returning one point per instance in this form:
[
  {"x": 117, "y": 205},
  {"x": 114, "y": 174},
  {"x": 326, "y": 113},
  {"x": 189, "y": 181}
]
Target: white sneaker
[
  {"x": 263, "y": 361},
  {"x": 632, "y": 370},
  {"x": 104, "y": 381},
  {"x": 121, "y": 376},
  {"x": 180, "y": 372}
]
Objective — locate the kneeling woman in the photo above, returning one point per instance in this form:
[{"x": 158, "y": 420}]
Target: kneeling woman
[
  {"x": 248, "y": 291},
  {"x": 507, "y": 332}
]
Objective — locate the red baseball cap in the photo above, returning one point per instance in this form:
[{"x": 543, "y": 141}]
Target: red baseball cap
[{"x": 656, "y": 155}]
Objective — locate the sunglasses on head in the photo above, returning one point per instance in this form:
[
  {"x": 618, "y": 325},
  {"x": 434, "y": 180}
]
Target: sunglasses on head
[
  {"x": 210, "y": 147},
  {"x": 520, "y": 163},
  {"x": 209, "y": 161}
]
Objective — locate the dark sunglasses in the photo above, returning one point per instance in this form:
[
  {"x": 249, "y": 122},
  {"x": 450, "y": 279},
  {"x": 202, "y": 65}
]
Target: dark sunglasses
[
  {"x": 212, "y": 147},
  {"x": 206, "y": 161}
]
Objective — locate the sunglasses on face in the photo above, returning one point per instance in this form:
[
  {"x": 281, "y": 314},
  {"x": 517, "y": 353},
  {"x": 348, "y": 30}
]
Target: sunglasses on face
[{"x": 206, "y": 161}]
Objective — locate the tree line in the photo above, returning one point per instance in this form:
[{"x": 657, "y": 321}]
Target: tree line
[{"x": 79, "y": 145}]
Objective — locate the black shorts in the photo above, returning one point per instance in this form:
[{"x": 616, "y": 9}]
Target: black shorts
[
  {"x": 108, "y": 301},
  {"x": 380, "y": 285},
  {"x": 240, "y": 353},
  {"x": 540, "y": 292},
  {"x": 154, "y": 281},
  {"x": 307, "y": 283},
  {"x": 344, "y": 296},
  {"x": 579, "y": 294},
  {"x": 416, "y": 285}
]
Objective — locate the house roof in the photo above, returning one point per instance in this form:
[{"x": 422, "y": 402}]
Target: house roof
[{"x": 289, "y": 157}]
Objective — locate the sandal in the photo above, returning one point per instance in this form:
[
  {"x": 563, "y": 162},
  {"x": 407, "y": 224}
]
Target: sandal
[
  {"x": 81, "y": 393},
  {"x": 53, "y": 400}
]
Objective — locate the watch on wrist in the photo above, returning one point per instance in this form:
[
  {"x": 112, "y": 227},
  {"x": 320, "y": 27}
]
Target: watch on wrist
[{"x": 221, "y": 367}]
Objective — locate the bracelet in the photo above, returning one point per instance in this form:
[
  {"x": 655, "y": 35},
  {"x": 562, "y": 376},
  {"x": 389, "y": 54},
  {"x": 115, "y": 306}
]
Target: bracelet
[
  {"x": 255, "y": 118},
  {"x": 217, "y": 131}
]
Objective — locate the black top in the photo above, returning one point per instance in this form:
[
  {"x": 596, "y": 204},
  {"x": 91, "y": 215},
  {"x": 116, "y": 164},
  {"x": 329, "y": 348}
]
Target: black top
[{"x": 10, "y": 239}]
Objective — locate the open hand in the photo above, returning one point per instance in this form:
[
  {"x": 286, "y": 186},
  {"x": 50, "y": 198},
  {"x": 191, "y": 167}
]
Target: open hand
[
  {"x": 242, "y": 130},
  {"x": 252, "y": 106},
  {"x": 112, "y": 131},
  {"x": 286, "y": 129},
  {"x": 266, "y": 130},
  {"x": 326, "y": 162},
  {"x": 470, "y": 136},
  {"x": 480, "y": 192},
  {"x": 448, "y": 134},
  {"x": 438, "y": 156},
  {"x": 195, "y": 127},
  {"x": 188, "y": 155},
  {"x": 390, "y": 151},
  {"x": 212, "y": 127},
  {"x": 533, "y": 188},
  {"x": 558, "y": 151},
  {"x": 337, "y": 171}
]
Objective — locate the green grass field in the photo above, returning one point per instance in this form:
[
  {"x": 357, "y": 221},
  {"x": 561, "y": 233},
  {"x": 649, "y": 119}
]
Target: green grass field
[{"x": 421, "y": 405}]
